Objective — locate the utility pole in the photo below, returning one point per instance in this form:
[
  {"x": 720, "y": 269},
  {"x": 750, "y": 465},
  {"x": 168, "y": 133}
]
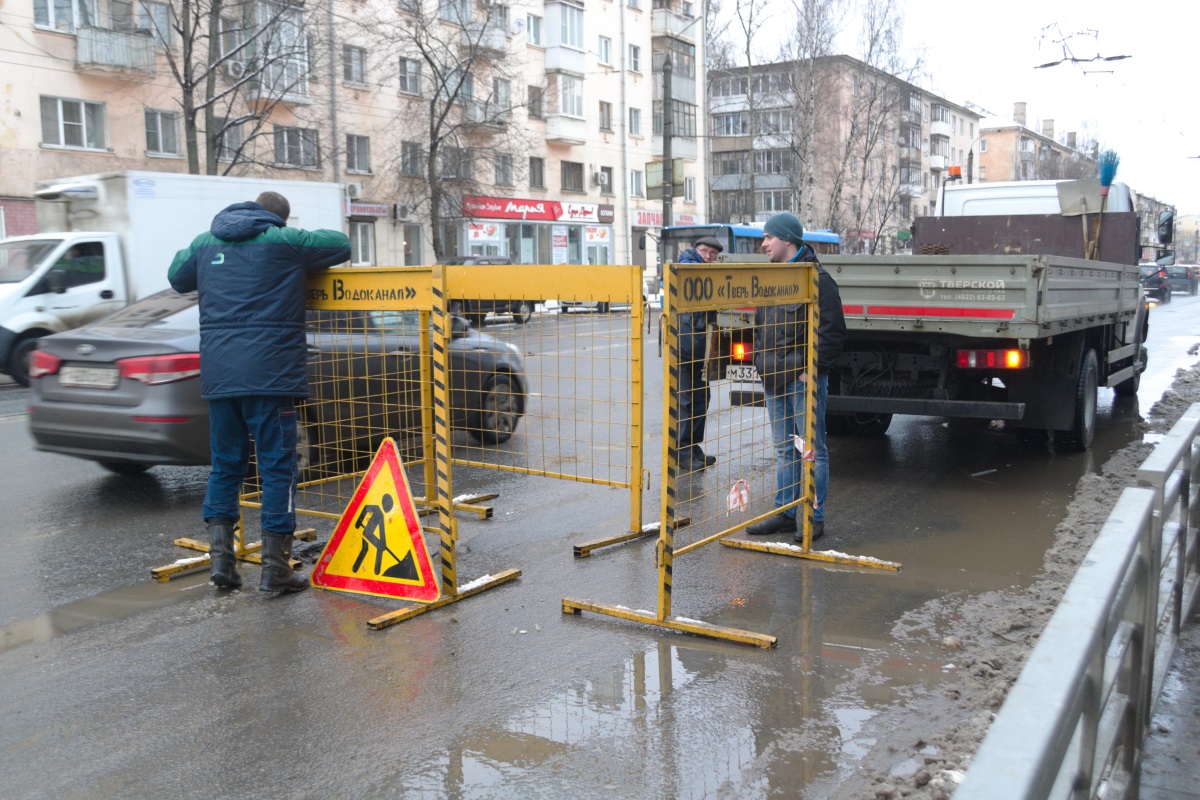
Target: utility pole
[{"x": 668, "y": 131}]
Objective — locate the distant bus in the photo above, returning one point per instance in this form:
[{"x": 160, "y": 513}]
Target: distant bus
[{"x": 736, "y": 239}]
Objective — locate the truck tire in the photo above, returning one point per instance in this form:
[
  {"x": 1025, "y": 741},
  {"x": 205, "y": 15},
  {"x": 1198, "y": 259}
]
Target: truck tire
[
  {"x": 1083, "y": 428},
  {"x": 1130, "y": 387},
  {"x": 18, "y": 359},
  {"x": 868, "y": 425}
]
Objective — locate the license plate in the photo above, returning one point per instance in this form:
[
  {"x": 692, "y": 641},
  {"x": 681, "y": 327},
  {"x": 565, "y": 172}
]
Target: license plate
[
  {"x": 741, "y": 373},
  {"x": 89, "y": 377}
]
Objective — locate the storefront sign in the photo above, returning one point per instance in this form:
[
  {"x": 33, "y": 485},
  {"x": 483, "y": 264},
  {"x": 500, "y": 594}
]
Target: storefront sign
[
  {"x": 526, "y": 209},
  {"x": 356, "y": 209},
  {"x": 607, "y": 214},
  {"x": 596, "y": 235},
  {"x": 484, "y": 231},
  {"x": 686, "y": 219},
  {"x": 647, "y": 219}
]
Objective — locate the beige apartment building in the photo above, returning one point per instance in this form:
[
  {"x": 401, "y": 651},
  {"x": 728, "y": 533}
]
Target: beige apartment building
[
  {"x": 873, "y": 153},
  {"x": 547, "y": 113},
  {"x": 1012, "y": 151}
]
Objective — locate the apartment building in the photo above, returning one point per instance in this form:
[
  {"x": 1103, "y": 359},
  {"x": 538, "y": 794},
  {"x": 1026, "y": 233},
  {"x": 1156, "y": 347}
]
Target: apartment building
[
  {"x": 521, "y": 130},
  {"x": 1013, "y": 151},
  {"x": 846, "y": 147}
]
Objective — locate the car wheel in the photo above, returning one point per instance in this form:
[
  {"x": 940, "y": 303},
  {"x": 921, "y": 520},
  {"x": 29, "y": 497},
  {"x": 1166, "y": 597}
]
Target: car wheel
[
  {"x": 601, "y": 308},
  {"x": 18, "y": 360},
  {"x": 125, "y": 467},
  {"x": 522, "y": 311},
  {"x": 496, "y": 420}
]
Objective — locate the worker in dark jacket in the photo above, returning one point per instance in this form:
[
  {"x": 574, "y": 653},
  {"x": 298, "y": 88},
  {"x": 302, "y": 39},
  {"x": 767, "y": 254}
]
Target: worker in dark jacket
[
  {"x": 251, "y": 272},
  {"x": 693, "y": 388},
  {"x": 779, "y": 354}
]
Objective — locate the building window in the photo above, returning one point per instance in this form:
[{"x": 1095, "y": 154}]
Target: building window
[
  {"x": 571, "y": 31},
  {"x": 362, "y": 244},
  {"x": 296, "y": 147},
  {"x": 354, "y": 64},
  {"x": 537, "y": 173},
  {"x": 358, "y": 153},
  {"x": 504, "y": 169},
  {"x": 735, "y": 124},
  {"x": 458, "y": 162},
  {"x": 410, "y": 159},
  {"x": 285, "y": 51},
  {"x": 412, "y": 243},
  {"x": 63, "y": 15},
  {"x": 533, "y": 27},
  {"x": 570, "y": 96},
  {"x": 156, "y": 18},
  {"x": 604, "y": 51},
  {"x": 683, "y": 115},
  {"x": 983, "y": 145},
  {"x": 572, "y": 176},
  {"x": 458, "y": 86},
  {"x": 637, "y": 183},
  {"x": 454, "y": 10},
  {"x": 73, "y": 123},
  {"x": 689, "y": 190},
  {"x": 606, "y": 180},
  {"x": 635, "y": 58},
  {"x": 501, "y": 102},
  {"x": 410, "y": 76},
  {"x": 634, "y": 3},
  {"x": 773, "y": 201},
  {"x": 162, "y": 133},
  {"x": 605, "y": 116},
  {"x": 537, "y": 102},
  {"x": 982, "y": 173},
  {"x": 228, "y": 140},
  {"x": 232, "y": 34},
  {"x": 635, "y": 122}
]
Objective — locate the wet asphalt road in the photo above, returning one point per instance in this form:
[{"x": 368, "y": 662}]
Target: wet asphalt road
[{"x": 117, "y": 686}]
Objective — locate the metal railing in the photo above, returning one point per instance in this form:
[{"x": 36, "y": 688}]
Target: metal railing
[{"x": 1075, "y": 722}]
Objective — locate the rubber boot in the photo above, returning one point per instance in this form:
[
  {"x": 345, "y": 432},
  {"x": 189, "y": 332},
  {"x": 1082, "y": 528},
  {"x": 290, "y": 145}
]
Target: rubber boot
[
  {"x": 277, "y": 575},
  {"x": 221, "y": 555}
]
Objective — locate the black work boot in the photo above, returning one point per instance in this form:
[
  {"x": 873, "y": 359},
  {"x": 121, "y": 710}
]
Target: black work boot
[
  {"x": 277, "y": 575},
  {"x": 221, "y": 555}
]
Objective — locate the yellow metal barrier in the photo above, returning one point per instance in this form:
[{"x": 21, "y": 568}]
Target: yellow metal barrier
[{"x": 739, "y": 489}]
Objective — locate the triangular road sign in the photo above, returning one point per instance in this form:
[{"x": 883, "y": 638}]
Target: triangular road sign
[{"x": 377, "y": 547}]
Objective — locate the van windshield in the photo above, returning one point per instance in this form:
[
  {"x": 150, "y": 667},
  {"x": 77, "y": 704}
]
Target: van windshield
[{"x": 19, "y": 260}]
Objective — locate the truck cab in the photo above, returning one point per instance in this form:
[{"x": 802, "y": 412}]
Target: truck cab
[{"x": 54, "y": 282}]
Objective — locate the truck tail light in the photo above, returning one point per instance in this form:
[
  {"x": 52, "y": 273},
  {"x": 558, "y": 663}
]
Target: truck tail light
[
  {"x": 741, "y": 351},
  {"x": 993, "y": 359},
  {"x": 42, "y": 363},
  {"x": 155, "y": 370}
]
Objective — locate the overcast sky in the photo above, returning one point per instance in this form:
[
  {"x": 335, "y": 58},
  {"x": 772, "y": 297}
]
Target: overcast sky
[{"x": 1147, "y": 108}]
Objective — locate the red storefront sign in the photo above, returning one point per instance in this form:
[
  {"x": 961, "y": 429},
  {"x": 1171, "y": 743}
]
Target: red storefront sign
[{"x": 474, "y": 205}]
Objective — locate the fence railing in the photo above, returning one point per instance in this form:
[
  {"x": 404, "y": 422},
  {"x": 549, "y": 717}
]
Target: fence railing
[{"x": 1075, "y": 722}]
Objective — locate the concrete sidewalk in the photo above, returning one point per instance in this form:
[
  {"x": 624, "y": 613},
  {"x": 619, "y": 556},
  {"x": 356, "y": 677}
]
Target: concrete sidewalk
[{"x": 1171, "y": 759}]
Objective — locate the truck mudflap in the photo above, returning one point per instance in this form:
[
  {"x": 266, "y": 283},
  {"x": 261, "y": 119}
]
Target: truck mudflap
[{"x": 849, "y": 404}]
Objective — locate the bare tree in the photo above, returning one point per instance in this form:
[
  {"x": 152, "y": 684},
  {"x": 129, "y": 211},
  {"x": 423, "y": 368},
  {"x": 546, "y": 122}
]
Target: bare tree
[
  {"x": 235, "y": 62},
  {"x": 457, "y": 130},
  {"x": 750, "y": 16}
]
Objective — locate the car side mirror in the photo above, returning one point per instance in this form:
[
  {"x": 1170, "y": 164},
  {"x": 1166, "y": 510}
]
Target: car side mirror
[
  {"x": 458, "y": 327},
  {"x": 56, "y": 281}
]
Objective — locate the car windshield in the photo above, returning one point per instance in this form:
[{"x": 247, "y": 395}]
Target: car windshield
[
  {"x": 167, "y": 308},
  {"x": 1148, "y": 271},
  {"x": 18, "y": 260},
  {"x": 1178, "y": 272}
]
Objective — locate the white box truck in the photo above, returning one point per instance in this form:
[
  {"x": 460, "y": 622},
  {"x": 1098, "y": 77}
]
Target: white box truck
[{"x": 107, "y": 240}]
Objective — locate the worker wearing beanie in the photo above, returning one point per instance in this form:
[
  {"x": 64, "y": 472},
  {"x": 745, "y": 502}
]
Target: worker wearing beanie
[
  {"x": 694, "y": 393},
  {"x": 778, "y": 335}
]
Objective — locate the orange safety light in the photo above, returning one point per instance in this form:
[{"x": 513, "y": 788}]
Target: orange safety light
[
  {"x": 955, "y": 172},
  {"x": 992, "y": 359},
  {"x": 741, "y": 352}
]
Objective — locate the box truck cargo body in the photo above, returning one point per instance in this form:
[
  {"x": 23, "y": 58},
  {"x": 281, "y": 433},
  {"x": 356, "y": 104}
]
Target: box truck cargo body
[{"x": 107, "y": 240}]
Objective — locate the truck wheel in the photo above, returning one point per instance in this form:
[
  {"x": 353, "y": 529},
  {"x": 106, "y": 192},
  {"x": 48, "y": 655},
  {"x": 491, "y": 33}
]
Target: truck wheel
[
  {"x": 18, "y": 360},
  {"x": 1129, "y": 388},
  {"x": 1083, "y": 429},
  {"x": 522, "y": 311},
  {"x": 869, "y": 425}
]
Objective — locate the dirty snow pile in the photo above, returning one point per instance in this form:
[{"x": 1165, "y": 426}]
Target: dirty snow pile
[{"x": 989, "y": 636}]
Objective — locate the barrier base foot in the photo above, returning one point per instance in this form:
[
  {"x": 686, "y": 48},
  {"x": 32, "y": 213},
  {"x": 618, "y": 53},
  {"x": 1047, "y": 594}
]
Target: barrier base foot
[
  {"x": 408, "y": 612},
  {"x": 827, "y": 556},
  {"x": 692, "y": 626},
  {"x": 249, "y": 554},
  {"x": 467, "y": 503},
  {"x": 650, "y": 529}
]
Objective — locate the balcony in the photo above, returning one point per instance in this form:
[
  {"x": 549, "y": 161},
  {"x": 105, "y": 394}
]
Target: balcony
[
  {"x": 940, "y": 128},
  {"x": 114, "y": 51},
  {"x": 937, "y": 162},
  {"x": 491, "y": 115},
  {"x": 566, "y": 130},
  {"x": 683, "y": 88},
  {"x": 566, "y": 59},
  {"x": 685, "y": 147},
  {"x": 489, "y": 39},
  {"x": 910, "y": 153},
  {"x": 1027, "y": 156},
  {"x": 664, "y": 22}
]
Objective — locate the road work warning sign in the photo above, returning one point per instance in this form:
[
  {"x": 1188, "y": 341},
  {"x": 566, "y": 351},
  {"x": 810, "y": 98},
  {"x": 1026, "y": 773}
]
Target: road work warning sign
[{"x": 377, "y": 547}]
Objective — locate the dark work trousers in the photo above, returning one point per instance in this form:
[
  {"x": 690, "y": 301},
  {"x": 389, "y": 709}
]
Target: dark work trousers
[
  {"x": 693, "y": 389},
  {"x": 272, "y": 423}
]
